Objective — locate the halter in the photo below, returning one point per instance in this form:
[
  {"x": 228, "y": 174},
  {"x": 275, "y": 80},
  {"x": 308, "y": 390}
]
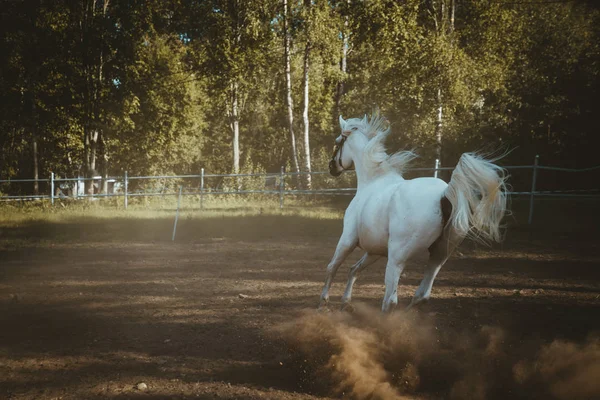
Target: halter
[{"x": 340, "y": 148}]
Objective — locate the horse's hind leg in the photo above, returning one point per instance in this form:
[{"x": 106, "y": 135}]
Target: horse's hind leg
[
  {"x": 424, "y": 290},
  {"x": 343, "y": 249},
  {"x": 393, "y": 270},
  {"x": 366, "y": 260},
  {"x": 398, "y": 254},
  {"x": 439, "y": 252}
]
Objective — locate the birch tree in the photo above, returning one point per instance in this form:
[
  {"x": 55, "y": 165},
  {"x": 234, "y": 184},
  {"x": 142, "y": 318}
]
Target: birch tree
[
  {"x": 343, "y": 63},
  {"x": 288, "y": 84},
  {"x": 305, "y": 87}
]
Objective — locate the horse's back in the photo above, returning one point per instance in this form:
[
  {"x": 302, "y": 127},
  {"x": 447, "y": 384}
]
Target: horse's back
[
  {"x": 397, "y": 207},
  {"x": 415, "y": 212},
  {"x": 418, "y": 198},
  {"x": 419, "y": 190}
]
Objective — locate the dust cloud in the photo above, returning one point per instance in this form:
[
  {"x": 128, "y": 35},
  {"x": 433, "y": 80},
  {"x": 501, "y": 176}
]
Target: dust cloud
[
  {"x": 405, "y": 355},
  {"x": 567, "y": 370}
]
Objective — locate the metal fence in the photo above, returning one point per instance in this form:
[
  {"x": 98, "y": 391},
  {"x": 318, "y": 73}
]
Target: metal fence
[{"x": 280, "y": 184}]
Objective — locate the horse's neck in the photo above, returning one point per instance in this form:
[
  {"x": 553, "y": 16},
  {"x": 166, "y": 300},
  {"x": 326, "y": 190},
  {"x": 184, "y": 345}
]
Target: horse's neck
[
  {"x": 366, "y": 176},
  {"x": 365, "y": 171}
]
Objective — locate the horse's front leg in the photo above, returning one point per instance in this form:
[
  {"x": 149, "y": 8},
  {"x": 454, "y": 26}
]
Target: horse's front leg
[{"x": 346, "y": 244}]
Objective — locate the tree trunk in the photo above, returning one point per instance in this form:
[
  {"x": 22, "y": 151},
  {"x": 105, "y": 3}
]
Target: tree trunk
[
  {"x": 29, "y": 91},
  {"x": 93, "y": 64},
  {"x": 305, "y": 120},
  {"x": 438, "y": 127},
  {"x": 235, "y": 128},
  {"x": 288, "y": 86},
  {"x": 443, "y": 14},
  {"x": 452, "y": 12},
  {"x": 90, "y": 150},
  {"x": 103, "y": 165},
  {"x": 34, "y": 140},
  {"x": 343, "y": 68},
  {"x": 444, "y": 29},
  {"x": 36, "y": 186}
]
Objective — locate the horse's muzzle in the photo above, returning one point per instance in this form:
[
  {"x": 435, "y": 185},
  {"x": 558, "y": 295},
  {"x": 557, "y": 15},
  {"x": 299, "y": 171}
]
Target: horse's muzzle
[{"x": 333, "y": 168}]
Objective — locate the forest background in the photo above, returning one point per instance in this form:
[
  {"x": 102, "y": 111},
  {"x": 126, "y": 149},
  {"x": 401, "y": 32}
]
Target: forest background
[{"x": 99, "y": 87}]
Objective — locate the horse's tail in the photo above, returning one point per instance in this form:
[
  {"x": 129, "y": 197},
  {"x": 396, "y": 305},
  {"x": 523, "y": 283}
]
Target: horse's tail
[{"x": 477, "y": 192}]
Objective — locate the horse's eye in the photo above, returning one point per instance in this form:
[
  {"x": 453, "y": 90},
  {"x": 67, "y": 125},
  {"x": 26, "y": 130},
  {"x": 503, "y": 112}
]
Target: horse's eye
[{"x": 355, "y": 128}]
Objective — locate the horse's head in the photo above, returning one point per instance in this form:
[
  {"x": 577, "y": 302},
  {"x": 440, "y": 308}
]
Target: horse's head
[{"x": 343, "y": 157}]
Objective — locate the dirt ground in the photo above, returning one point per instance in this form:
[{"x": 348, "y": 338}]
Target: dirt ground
[{"x": 87, "y": 311}]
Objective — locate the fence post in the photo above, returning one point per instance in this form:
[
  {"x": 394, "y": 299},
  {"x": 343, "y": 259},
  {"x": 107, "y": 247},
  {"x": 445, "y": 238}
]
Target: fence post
[
  {"x": 437, "y": 165},
  {"x": 202, "y": 189},
  {"x": 126, "y": 188},
  {"x": 177, "y": 213},
  {"x": 52, "y": 188},
  {"x": 281, "y": 187},
  {"x": 533, "y": 182}
]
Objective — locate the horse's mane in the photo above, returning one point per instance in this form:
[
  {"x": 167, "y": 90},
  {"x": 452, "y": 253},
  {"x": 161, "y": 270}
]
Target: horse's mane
[{"x": 375, "y": 155}]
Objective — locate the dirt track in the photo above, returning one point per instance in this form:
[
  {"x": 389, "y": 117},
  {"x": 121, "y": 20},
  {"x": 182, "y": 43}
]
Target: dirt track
[{"x": 91, "y": 317}]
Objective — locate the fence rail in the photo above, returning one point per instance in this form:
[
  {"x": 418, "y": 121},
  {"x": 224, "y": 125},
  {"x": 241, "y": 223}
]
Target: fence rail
[{"x": 277, "y": 187}]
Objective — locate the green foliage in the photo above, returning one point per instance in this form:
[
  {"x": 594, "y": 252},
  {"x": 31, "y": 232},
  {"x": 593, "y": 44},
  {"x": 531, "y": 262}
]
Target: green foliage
[
  {"x": 160, "y": 128},
  {"x": 156, "y": 80},
  {"x": 245, "y": 183}
]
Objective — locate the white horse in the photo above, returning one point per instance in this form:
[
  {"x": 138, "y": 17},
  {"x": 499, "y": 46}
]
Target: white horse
[{"x": 397, "y": 218}]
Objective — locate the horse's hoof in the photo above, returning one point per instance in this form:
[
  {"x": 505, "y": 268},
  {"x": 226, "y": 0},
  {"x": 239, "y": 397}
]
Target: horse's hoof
[
  {"x": 389, "y": 308},
  {"x": 418, "y": 305},
  {"x": 323, "y": 307},
  {"x": 347, "y": 307}
]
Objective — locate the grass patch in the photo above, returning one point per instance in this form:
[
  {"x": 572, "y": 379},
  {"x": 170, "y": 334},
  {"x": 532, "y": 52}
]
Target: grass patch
[
  {"x": 97, "y": 222},
  {"x": 240, "y": 218}
]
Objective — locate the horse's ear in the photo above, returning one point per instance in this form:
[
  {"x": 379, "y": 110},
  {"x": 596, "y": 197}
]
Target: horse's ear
[
  {"x": 342, "y": 122},
  {"x": 365, "y": 120}
]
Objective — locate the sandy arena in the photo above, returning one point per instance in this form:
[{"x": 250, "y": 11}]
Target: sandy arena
[{"x": 112, "y": 309}]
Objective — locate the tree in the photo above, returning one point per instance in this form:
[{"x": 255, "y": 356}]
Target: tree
[
  {"x": 36, "y": 91},
  {"x": 231, "y": 39},
  {"x": 288, "y": 85},
  {"x": 160, "y": 129},
  {"x": 93, "y": 53},
  {"x": 99, "y": 86},
  {"x": 309, "y": 16},
  {"x": 320, "y": 29},
  {"x": 345, "y": 33}
]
